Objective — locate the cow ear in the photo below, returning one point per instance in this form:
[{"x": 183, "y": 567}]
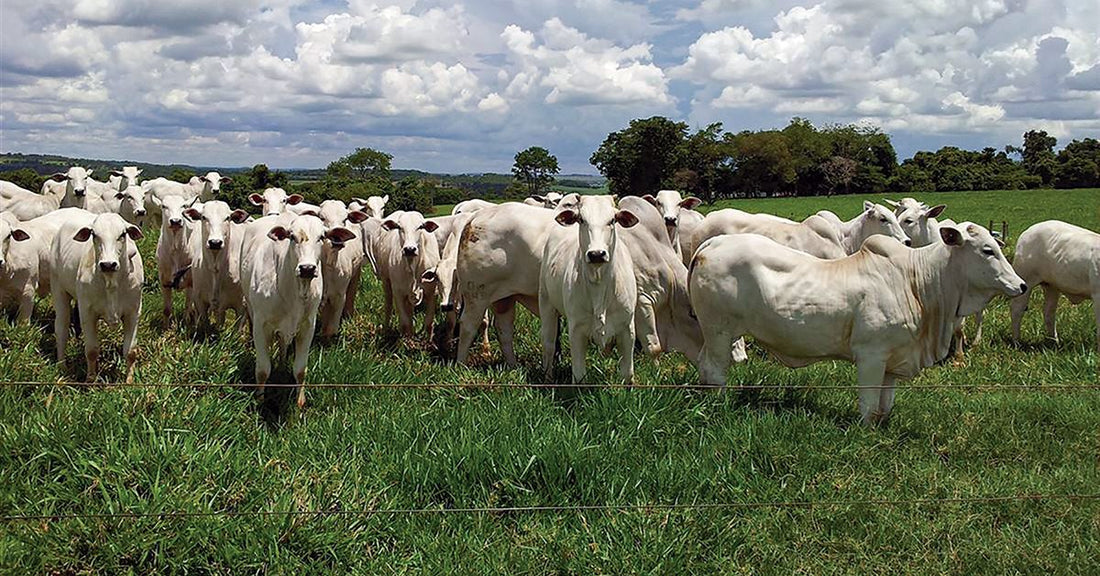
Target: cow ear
[
  {"x": 567, "y": 217},
  {"x": 19, "y": 235},
  {"x": 226, "y": 179},
  {"x": 951, "y": 236},
  {"x": 117, "y": 173},
  {"x": 238, "y": 216},
  {"x": 340, "y": 234},
  {"x": 891, "y": 203},
  {"x": 205, "y": 179},
  {"x": 868, "y": 205},
  {"x": 192, "y": 214},
  {"x": 390, "y": 225},
  {"x": 539, "y": 199},
  {"x": 626, "y": 218},
  {"x": 691, "y": 203},
  {"x": 650, "y": 198},
  {"x": 359, "y": 200},
  {"x": 935, "y": 211},
  {"x": 278, "y": 233},
  {"x": 155, "y": 200},
  {"x": 256, "y": 199},
  {"x": 120, "y": 195},
  {"x": 59, "y": 177},
  {"x": 294, "y": 199},
  {"x": 430, "y": 225},
  {"x": 355, "y": 216},
  {"x": 429, "y": 276},
  {"x": 385, "y": 199},
  {"x": 88, "y": 172},
  {"x": 134, "y": 233},
  {"x": 83, "y": 234},
  {"x": 138, "y": 173},
  {"x": 309, "y": 212}
]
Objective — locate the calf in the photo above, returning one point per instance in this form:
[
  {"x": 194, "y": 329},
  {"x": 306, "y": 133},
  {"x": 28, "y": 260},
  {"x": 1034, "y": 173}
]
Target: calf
[
  {"x": 173, "y": 251},
  {"x": 210, "y": 251},
  {"x": 670, "y": 204},
  {"x": 587, "y": 276},
  {"x": 282, "y": 280},
  {"x": 874, "y": 219},
  {"x": 97, "y": 264},
  {"x": 404, "y": 249},
  {"x": 274, "y": 201},
  {"x": 1063, "y": 259},
  {"x": 889, "y": 309},
  {"x": 341, "y": 264},
  {"x": 18, "y": 267}
]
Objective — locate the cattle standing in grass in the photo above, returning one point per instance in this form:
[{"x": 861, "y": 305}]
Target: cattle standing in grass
[
  {"x": 446, "y": 276},
  {"x": 889, "y": 309},
  {"x": 71, "y": 186},
  {"x": 587, "y": 275},
  {"x": 173, "y": 251},
  {"x": 341, "y": 263},
  {"x": 404, "y": 250},
  {"x": 274, "y": 201},
  {"x": 97, "y": 264},
  {"x": 1063, "y": 259},
  {"x": 18, "y": 268},
  {"x": 671, "y": 205},
  {"x": 212, "y": 287},
  {"x": 874, "y": 219}
]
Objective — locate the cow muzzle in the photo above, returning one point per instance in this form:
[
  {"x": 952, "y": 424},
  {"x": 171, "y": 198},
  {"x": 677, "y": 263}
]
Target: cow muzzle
[
  {"x": 597, "y": 256},
  {"x": 669, "y": 221},
  {"x": 410, "y": 251},
  {"x": 108, "y": 266},
  {"x": 215, "y": 244},
  {"x": 307, "y": 271},
  {"x": 139, "y": 212},
  {"x": 78, "y": 193},
  {"x": 175, "y": 223},
  {"x": 908, "y": 242}
]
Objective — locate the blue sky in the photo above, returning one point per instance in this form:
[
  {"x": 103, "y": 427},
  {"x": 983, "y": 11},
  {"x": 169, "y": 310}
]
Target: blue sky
[{"x": 461, "y": 87}]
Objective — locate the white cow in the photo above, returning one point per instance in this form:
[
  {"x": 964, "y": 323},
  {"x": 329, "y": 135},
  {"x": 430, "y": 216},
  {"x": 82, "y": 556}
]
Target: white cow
[
  {"x": 404, "y": 249},
  {"x": 1063, "y": 259},
  {"x": 447, "y": 226},
  {"x": 814, "y": 235},
  {"x": 549, "y": 201},
  {"x": 875, "y": 219},
  {"x": 471, "y": 206},
  {"x": 918, "y": 220},
  {"x": 889, "y": 309},
  {"x": 671, "y": 205},
  {"x": 26, "y": 205},
  {"x": 282, "y": 280},
  {"x": 18, "y": 268},
  {"x": 97, "y": 264},
  {"x": 274, "y": 201},
  {"x": 341, "y": 264},
  {"x": 210, "y": 251},
  {"x": 205, "y": 187},
  {"x": 128, "y": 198},
  {"x": 173, "y": 249},
  {"x": 124, "y": 178},
  {"x": 587, "y": 275},
  {"x": 446, "y": 277},
  {"x": 42, "y": 231},
  {"x": 70, "y": 186},
  {"x": 374, "y": 206}
]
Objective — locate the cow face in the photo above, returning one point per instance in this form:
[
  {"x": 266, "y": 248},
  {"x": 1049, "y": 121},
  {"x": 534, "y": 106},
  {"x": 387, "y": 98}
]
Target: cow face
[
  {"x": 669, "y": 203},
  {"x": 917, "y": 220},
  {"x": 172, "y": 208},
  {"x": 213, "y": 219},
  {"x": 126, "y": 178},
  {"x": 135, "y": 196},
  {"x": 76, "y": 179},
  {"x": 307, "y": 236},
  {"x": 596, "y": 218},
  {"x": 110, "y": 236},
  {"x": 447, "y": 287},
  {"x": 412, "y": 229},
  {"x": 981, "y": 262},
  {"x": 374, "y": 207},
  {"x": 336, "y": 215},
  {"x": 877, "y": 219},
  {"x": 274, "y": 201},
  {"x": 9, "y": 234},
  {"x": 212, "y": 182},
  {"x": 550, "y": 200}
]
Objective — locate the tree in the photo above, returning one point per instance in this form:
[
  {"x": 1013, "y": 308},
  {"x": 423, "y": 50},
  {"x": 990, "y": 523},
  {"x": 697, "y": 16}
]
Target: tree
[
  {"x": 839, "y": 171},
  {"x": 363, "y": 165},
  {"x": 25, "y": 178},
  {"x": 534, "y": 168},
  {"x": 182, "y": 175},
  {"x": 640, "y": 159},
  {"x": 1039, "y": 155},
  {"x": 703, "y": 165},
  {"x": 763, "y": 162}
]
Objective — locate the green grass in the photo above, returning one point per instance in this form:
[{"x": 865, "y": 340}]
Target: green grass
[{"x": 77, "y": 451}]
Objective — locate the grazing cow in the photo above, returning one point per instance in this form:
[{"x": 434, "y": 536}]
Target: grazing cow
[
  {"x": 404, "y": 249},
  {"x": 70, "y": 186},
  {"x": 282, "y": 280},
  {"x": 1063, "y": 259},
  {"x": 670, "y": 204},
  {"x": 374, "y": 206},
  {"x": 889, "y": 309},
  {"x": 549, "y": 201},
  {"x": 587, "y": 275},
  {"x": 917, "y": 220},
  {"x": 875, "y": 219},
  {"x": 173, "y": 251},
  {"x": 97, "y": 264},
  {"x": 467, "y": 206},
  {"x": 341, "y": 264},
  {"x": 274, "y": 201},
  {"x": 814, "y": 235},
  {"x": 26, "y": 205},
  {"x": 18, "y": 267},
  {"x": 210, "y": 251}
]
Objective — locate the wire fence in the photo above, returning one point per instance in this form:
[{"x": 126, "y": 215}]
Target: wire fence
[{"x": 504, "y": 510}]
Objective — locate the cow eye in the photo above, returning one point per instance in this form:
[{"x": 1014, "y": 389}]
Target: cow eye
[
  {"x": 988, "y": 251},
  {"x": 883, "y": 220},
  {"x": 908, "y": 220}
]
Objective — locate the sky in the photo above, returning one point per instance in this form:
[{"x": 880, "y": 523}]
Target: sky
[{"x": 461, "y": 87}]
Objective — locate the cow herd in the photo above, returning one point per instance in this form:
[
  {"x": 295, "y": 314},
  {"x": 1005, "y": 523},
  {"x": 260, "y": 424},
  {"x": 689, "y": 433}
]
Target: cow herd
[{"x": 887, "y": 290}]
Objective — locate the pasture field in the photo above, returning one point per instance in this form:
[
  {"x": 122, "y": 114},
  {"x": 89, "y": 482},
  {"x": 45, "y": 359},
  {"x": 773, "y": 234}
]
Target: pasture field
[{"x": 105, "y": 450}]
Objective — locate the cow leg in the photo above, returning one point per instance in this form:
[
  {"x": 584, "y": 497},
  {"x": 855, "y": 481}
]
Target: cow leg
[
  {"x": 978, "y": 318},
  {"x": 26, "y": 304},
  {"x": 468, "y": 325},
  {"x": 505, "y": 313},
  {"x": 1018, "y": 306},
  {"x": 548, "y": 317},
  {"x": 645, "y": 325},
  {"x": 330, "y": 317},
  {"x": 429, "y": 312},
  {"x": 387, "y": 304},
  {"x": 302, "y": 342},
  {"x": 63, "y": 307},
  {"x": 886, "y": 398},
  {"x": 129, "y": 338},
  {"x": 91, "y": 341},
  {"x": 405, "y": 316},
  {"x": 578, "y": 346},
  {"x": 1096, "y": 312},
  {"x": 1050, "y": 305},
  {"x": 262, "y": 342},
  {"x": 166, "y": 297},
  {"x": 349, "y": 299},
  {"x": 715, "y": 358},
  {"x": 626, "y": 355},
  {"x": 959, "y": 336},
  {"x": 871, "y": 373},
  {"x": 738, "y": 353},
  {"x": 485, "y": 332}
]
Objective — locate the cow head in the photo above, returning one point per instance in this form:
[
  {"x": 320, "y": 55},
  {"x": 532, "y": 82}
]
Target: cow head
[
  {"x": 307, "y": 236},
  {"x": 374, "y": 207},
  {"x": 125, "y": 178},
  {"x": 110, "y": 236},
  {"x": 335, "y": 214},
  {"x": 550, "y": 200},
  {"x": 135, "y": 195},
  {"x": 76, "y": 179},
  {"x": 9, "y": 233},
  {"x": 669, "y": 203},
  {"x": 917, "y": 220},
  {"x": 596, "y": 218},
  {"x": 980, "y": 260},
  {"x": 877, "y": 219},
  {"x": 212, "y": 182},
  {"x": 412, "y": 229},
  {"x": 213, "y": 219},
  {"x": 172, "y": 208},
  {"x": 274, "y": 200}
]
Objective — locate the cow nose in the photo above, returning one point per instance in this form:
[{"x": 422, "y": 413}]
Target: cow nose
[
  {"x": 411, "y": 251},
  {"x": 670, "y": 221},
  {"x": 1023, "y": 287},
  {"x": 139, "y": 212},
  {"x": 908, "y": 242},
  {"x": 307, "y": 271},
  {"x": 215, "y": 244},
  {"x": 109, "y": 266},
  {"x": 175, "y": 222},
  {"x": 447, "y": 307},
  {"x": 597, "y": 256},
  {"x": 78, "y": 191}
]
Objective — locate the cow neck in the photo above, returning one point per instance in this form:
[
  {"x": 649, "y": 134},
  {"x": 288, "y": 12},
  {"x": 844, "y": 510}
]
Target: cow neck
[
  {"x": 852, "y": 230},
  {"x": 939, "y": 295}
]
